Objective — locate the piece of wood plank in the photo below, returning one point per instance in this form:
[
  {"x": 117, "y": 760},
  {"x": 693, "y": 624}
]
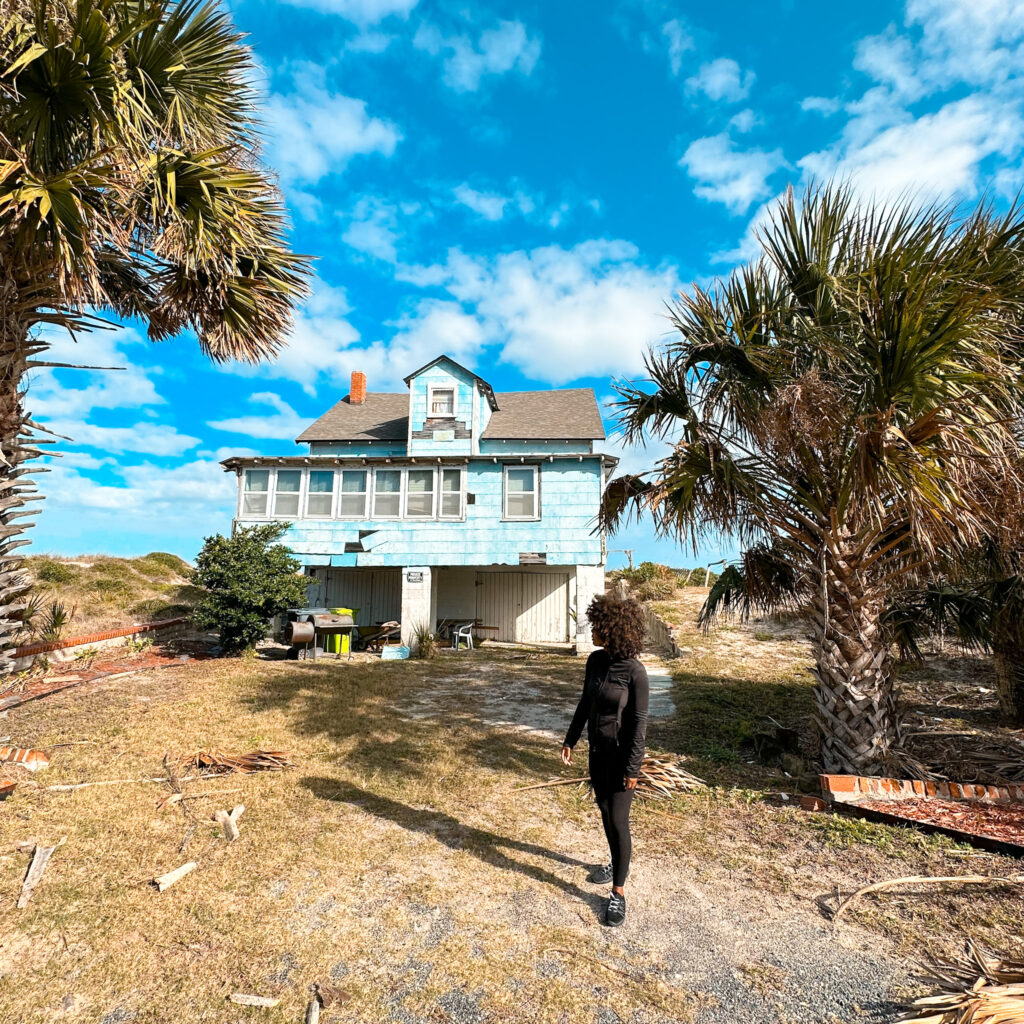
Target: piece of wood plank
[
  {"x": 246, "y": 999},
  {"x": 40, "y": 859},
  {"x": 313, "y": 1012},
  {"x": 163, "y": 882},
  {"x": 229, "y": 821}
]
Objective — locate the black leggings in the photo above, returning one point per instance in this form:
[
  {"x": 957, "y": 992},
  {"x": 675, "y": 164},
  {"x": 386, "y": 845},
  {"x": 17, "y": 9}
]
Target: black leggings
[{"x": 614, "y": 802}]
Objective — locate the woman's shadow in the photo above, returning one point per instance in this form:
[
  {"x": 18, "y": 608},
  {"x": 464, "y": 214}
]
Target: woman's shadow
[{"x": 488, "y": 847}]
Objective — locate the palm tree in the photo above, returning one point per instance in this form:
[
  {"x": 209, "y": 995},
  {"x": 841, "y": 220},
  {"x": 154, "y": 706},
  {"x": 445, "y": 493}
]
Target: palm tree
[
  {"x": 838, "y": 407},
  {"x": 129, "y": 184}
]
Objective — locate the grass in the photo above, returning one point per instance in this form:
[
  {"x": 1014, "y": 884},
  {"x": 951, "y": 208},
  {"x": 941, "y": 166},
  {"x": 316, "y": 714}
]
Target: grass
[
  {"x": 107, "y": 592},
  {"x": 398, "y": 863}
]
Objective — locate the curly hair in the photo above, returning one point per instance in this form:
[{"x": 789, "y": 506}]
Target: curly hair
[{"x": 621, "y": 624}]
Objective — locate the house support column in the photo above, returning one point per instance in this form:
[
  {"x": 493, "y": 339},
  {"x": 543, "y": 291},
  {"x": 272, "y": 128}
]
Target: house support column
[
  {"x": 418, "y": 602},
  {"x": 589, "y": 584}
]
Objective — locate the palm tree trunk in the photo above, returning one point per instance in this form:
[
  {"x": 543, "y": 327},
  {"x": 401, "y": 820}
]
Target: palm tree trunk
[
  {"x": 1008, "y": 651},
  {"x": 16, "y": 489},
  {"x": 856, "y": 702}
]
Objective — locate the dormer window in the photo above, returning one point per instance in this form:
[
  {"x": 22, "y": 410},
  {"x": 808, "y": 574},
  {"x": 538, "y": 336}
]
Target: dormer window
[{"x": 442, "y": 402}]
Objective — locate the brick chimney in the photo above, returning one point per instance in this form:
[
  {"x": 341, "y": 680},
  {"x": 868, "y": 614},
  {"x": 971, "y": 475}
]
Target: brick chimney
[{"x": 357, "y": 390}]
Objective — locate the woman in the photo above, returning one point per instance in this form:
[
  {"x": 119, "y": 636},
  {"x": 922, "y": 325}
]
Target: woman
[{"x": 614, "y": 707}]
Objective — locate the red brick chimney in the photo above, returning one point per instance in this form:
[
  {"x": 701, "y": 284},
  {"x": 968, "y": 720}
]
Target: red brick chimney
[{"x": 357, "y": 390}]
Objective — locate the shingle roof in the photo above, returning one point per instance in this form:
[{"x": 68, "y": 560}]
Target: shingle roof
[
  {"x": 566, "y": 414},
  {"x": 381, "y": 417}
]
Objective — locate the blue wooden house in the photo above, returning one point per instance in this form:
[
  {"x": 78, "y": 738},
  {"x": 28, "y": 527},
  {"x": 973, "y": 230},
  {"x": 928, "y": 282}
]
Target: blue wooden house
[{"x": 448, "y": 502}]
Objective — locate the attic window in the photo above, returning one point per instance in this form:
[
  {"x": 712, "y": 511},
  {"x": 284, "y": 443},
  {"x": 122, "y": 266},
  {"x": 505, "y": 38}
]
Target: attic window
[{"x": 442, "y": 402}]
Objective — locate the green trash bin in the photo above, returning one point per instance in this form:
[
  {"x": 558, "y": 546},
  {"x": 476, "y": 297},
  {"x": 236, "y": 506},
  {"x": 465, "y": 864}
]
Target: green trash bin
[{"x": 339, "y": 643}]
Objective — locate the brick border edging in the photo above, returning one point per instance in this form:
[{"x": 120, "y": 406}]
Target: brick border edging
[
  {"x": 852, "y": 789},
  {"x": 95, "y": 638}
]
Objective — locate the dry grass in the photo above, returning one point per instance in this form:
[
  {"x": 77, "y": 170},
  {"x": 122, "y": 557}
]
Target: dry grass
[
  {"x": 109, "y": 592},
  {"x": 396, "y": 862}
]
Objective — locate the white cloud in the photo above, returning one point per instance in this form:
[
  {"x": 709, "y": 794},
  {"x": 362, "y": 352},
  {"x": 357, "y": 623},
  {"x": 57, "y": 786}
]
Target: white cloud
[
  {"x": 363, "y": 12},
  {"x": 723, "y": 174},
  {"x": 496, "y": 51},
  {"x": 373, "y": 229},
  {"x": 559, "y": 314},
  {"x": 315, "y": 132},
  {"x": 722, "y": 80},
  {"x": 679, "y": 41},
  {"x": 488, "y": 205},
  {"x": 824, "y": 105},
  {"x": 745, "y": 121},
  {"x": 285, "y": 424},
  {"x": 152, "y": 438}
]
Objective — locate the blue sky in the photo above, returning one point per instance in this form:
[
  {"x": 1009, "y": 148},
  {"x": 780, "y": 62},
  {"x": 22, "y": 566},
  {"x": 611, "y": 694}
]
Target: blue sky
[{"x": 523, "y": 186}]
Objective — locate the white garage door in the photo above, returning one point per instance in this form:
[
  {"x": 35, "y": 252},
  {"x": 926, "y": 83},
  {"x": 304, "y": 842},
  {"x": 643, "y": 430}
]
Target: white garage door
[{"x": 525, "y": 607}]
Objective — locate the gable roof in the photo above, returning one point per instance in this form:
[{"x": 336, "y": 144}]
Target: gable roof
[
  {"x": 569, "y": 414},
  {"x": 486, "y": 388}
]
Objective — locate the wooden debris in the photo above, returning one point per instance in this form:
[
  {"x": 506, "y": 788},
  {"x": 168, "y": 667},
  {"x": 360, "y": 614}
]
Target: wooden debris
[
  {"x": 313, "y": 1012},
  {"x": 245, "y": 999},
  {"x": 893, "y": 883},
  {"x": 329, "y": 995},
  {"x": 122, "y": 782},
  {"x": 229, "y": 821},
  {"x": 170, "y": 799},
  {"x": 554, "y": 782},
  {"x": 163, "y": 882},
  {"x": 217, "y": 762},
  {"x": 163, "y": 802},
  {"x": 33, "y": 760},
  {"x": 6, "y": 789},
  {"x": 40, "y": 859}
]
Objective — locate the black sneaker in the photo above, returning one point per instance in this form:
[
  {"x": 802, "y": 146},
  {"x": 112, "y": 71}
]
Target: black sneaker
[
  {"x": 601, "y": 875},
  {"x": 616, "y": 912}
]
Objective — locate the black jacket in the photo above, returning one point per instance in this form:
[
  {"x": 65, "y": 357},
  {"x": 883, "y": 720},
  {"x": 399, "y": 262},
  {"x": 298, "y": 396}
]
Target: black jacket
[{"x": 614, "y": 707}]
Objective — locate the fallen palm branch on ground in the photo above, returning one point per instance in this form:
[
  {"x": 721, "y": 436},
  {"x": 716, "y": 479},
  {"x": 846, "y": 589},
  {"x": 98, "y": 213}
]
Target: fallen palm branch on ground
[
  {"x": 893, "y": 883},
  {"x": 980, "y": 988},
  {"x": 660, "y": 776},
  {"x": 216, "y": 762}
]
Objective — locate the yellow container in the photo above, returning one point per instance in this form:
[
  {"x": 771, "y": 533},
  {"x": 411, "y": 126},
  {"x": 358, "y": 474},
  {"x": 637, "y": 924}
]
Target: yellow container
[{"x": 338, "y": 643}]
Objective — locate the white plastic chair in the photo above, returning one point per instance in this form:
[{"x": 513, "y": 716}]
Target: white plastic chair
[{"x": 462, "y": 632}]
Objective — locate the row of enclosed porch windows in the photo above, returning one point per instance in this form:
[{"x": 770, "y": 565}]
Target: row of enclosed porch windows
[{"x": 378, "y": 493}]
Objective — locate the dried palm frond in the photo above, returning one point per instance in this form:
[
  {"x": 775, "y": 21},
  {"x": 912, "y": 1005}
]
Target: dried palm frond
[
  {"x": 979, "y": 988},
  {"x": 662, "y": 776},
  {"x": 217, "y": 762}
]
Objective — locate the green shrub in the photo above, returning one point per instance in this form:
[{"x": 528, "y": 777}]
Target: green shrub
[
  {"x": 650, "y": 581},
  {"x": 112, "y": 588},
  {"x": 161, "y": 563},
  {"x": 424, "y": 642},
  {"x": 54, "y": 572},
  {"x": 246, "y": 580}
]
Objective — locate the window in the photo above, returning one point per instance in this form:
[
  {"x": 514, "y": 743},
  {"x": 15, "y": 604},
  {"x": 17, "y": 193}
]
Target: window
[
  {"x": 451, "y": 493},
  {"x": 387, "y": 494},
  {"x": 286, "y": 494},
  {"x": 320, "y": 496},
  {"x": 442, "y": 402},
  {"x": 419, "y": 495},
  {"x": 521, "y": 492},
  {"x": 353, "y": 493},
  {"x": 254, "y": 492}
]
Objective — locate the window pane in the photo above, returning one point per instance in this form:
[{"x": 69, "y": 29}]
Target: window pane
[
  {"x": 353, "y": 505},
  {"x": 254, "y": 504},
  {"x": 354, "y": 481},
  {"x": 521, "y": 506},
  {"x": 387, "y": 493},
  {"x": 442, "y": 403},
  {"x": 419, "y": 499},
  {"x": 519, "y": 480},
  {"x": 451, "y": 492},
  {"x": 321, "y": 481},
  {"x": 318, "y": 504},
  {"x": 289, "y": 480},
  {"x": 286, "y": 504},
  {"x": 257, "y": 479}
]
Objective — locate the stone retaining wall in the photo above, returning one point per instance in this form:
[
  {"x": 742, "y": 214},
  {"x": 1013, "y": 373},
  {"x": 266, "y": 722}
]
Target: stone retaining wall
[{"x": 852, "y": 789}]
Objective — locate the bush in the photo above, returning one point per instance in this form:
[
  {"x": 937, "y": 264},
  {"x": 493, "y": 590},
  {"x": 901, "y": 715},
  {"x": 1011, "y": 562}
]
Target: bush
[
  {"x": 650, "y": 581},
  {"x": 246, "y": 580},
  {"x": 161, "y": 563},
  {"x": 54, "y": 572}
]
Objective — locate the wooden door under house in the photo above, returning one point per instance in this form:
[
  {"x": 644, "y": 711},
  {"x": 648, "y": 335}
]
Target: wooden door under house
[{"x": 526, "y": 607}]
